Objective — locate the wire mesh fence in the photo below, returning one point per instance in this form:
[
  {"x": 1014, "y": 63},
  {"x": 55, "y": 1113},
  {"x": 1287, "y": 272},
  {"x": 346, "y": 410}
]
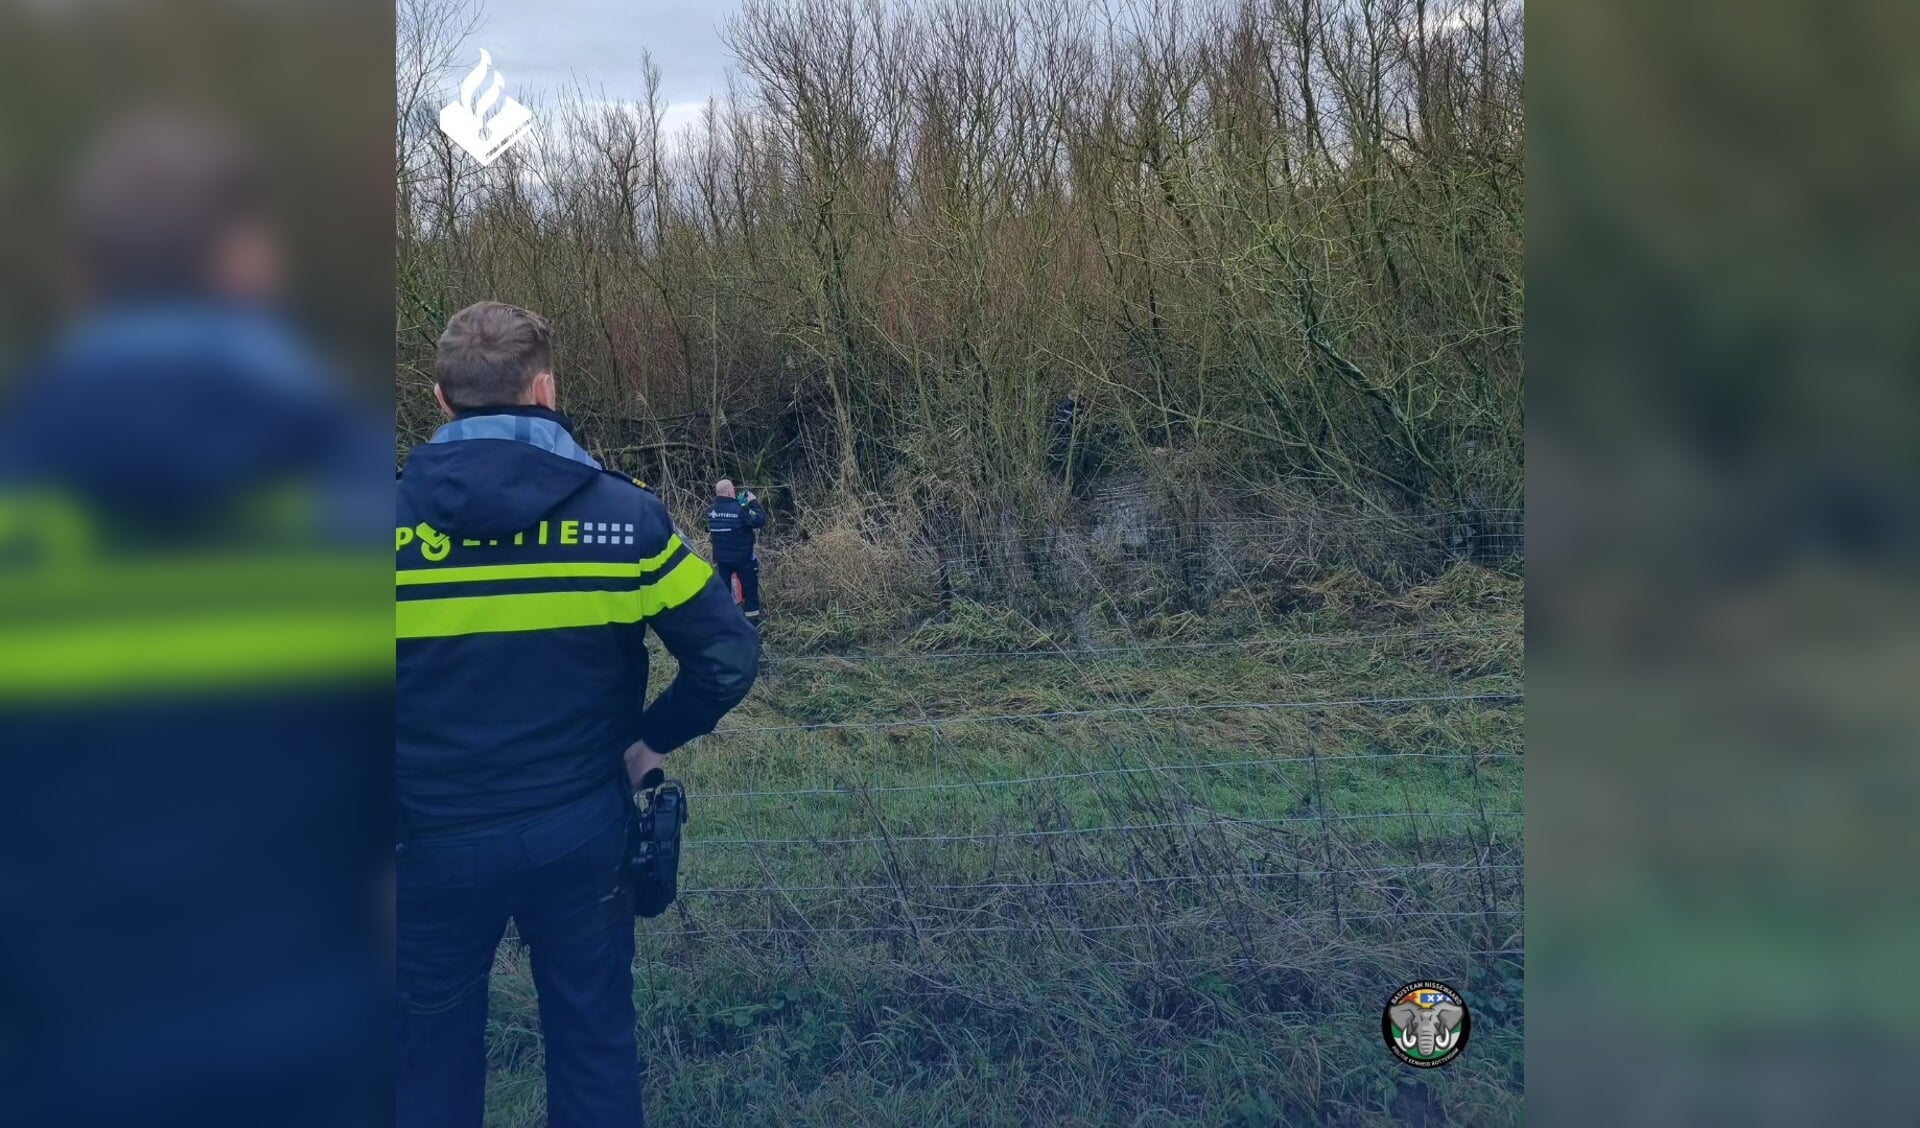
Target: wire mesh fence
[
  {"x": 1257, "y": 805},
  {"x": 1211, "y": 557},
  {"x": 1151, "y": 842},
  {"x": 1147, "y": 650},
  {"x": 1130, "y": 562}
]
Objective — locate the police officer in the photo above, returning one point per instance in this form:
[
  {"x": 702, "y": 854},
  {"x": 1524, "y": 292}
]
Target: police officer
[
  {"x": 731, "y": 521},
  {"x": 526, "y": 576},
  {"x": 190, "y": 712},
  {"x": 1060, "y": 444}
]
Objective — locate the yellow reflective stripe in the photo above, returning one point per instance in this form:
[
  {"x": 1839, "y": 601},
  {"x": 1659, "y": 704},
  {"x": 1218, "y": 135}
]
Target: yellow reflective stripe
[
  {"x": 206, "y": 652},
  {"x": 530, "y": 611},
  {"x": 170, "y": 578},
  {"x": 591, "y": 569},
  {"x": 549, "y": 610},
  {"x": 59, "y": 526},
  {"x": 471, "y": 573},
  {"x": 677, "y": 586},
  {"x": 655, "y": 563}
]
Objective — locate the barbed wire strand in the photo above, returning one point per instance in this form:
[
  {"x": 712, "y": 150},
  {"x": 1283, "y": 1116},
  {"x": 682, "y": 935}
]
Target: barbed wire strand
[
  {"x": 1070, "y": 832},
  {"x": 1050, "y": 925},
  {"x": 1115, "y": 711},
  {"x": 1155, "y": 648},
  {"x": 1013, "y": 781},
  {"x": 1079, "y": 883}
]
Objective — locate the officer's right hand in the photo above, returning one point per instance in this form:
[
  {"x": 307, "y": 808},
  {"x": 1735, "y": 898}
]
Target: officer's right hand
[{"x": 641, "y": 760}]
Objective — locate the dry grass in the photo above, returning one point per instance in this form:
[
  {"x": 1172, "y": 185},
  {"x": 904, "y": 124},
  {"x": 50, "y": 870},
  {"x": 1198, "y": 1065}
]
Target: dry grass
[{"x": 1185, "y": 918}]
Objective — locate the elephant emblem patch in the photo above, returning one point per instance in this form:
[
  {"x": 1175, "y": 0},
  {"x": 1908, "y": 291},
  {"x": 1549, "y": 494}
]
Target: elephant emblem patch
[{"x": 1426, "y": 1023}]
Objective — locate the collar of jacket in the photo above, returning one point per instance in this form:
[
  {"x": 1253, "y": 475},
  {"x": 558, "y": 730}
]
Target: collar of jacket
[{"x": 524, "y": 423}]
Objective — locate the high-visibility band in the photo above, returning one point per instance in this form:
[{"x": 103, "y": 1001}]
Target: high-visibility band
[
  {"x": 680, "y": 584},
  {"x": 591, "y": 569},
  {"x": 548, "y": 610},
  {"x": 655, "y": 563},
  {"x": 549, "y": 570},
  {"x": 528, "y": 611},
  {"x": 169, "y": 579},
  {"x": 207, "y": 653}
]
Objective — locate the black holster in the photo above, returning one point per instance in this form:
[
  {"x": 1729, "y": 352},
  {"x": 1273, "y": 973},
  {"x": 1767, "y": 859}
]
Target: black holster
[{"x": 653, "y": 844}]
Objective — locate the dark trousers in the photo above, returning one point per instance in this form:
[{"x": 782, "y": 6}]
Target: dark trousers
[
  {"x": 749, "y": 572},
  {"x": 557, "y": 876}
]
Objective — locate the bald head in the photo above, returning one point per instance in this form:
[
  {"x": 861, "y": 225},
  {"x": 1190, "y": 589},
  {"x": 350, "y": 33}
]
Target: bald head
[{"x": 723, "y": 487}]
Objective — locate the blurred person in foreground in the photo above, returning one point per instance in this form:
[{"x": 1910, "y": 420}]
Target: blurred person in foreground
[
  {"x": 527, "y": 576},
  {"x": 194, "y": 691},
  {"x": 731, "y": 521}
]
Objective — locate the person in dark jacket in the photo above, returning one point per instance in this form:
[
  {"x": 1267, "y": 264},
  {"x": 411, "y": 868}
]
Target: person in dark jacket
[
  {"x": 526, "y": 576},
  {"x": 195, "y": 686},
  {"x": 731, "y": 521}
]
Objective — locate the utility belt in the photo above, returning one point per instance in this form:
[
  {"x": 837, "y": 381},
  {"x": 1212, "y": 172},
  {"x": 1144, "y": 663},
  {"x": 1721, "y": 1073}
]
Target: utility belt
[
  {"x": 651, "y": 865},
  {"x": 409, "y": 830},
  {"x": 653, "y": 843}
]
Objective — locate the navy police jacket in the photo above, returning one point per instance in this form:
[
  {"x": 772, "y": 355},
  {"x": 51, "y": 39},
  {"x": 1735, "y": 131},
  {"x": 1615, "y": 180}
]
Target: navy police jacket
[
  {"x": 526, "y": 577},
  {"x": 730, "y": 525},
  {"x": 195, "y": 707}
]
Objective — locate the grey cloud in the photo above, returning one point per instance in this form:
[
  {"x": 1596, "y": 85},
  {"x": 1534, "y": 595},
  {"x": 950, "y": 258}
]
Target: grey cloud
[{"x": 544, "y": 45}]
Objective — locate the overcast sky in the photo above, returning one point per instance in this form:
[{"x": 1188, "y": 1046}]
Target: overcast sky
[{"x": 544, "y": 45}]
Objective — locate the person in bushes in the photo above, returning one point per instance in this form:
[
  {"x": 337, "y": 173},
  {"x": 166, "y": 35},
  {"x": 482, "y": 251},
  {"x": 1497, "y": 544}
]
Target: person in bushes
[{"x": 731, "y": 521}]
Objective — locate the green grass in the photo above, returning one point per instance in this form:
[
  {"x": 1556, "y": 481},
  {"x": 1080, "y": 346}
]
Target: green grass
[{"x": 1199, "y": 926}]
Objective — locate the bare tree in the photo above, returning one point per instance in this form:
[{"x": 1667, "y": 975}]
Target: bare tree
[{"x": 1257, "y": 243}]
